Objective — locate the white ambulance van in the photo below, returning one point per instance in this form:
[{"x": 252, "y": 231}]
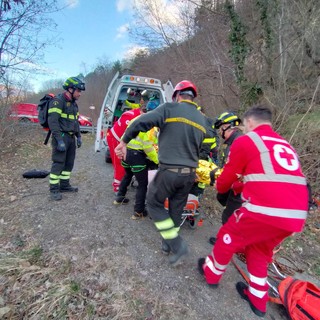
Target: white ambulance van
[{"x": 114, "y": 102}]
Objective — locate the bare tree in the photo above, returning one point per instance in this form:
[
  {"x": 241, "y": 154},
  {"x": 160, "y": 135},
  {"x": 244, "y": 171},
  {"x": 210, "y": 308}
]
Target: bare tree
[{"x": 23, "y": 37}]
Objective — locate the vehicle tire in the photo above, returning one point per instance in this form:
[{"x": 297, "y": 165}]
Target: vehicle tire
[
  {"x": 108, "y": 156},
  {"x": 193, "y": 221}
]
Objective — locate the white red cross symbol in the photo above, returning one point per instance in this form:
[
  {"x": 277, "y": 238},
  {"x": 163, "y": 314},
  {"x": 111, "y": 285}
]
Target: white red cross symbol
[{"x": 286, "y": 157}]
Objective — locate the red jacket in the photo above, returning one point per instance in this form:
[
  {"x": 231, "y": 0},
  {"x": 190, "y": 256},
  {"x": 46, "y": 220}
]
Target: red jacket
[
  {"x": 275, "y": 189},
  {"x": 121, "y": 125}
]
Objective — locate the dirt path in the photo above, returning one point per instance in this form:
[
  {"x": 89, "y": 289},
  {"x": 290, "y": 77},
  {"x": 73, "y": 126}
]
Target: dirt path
[{"x": 108, "y": 252}]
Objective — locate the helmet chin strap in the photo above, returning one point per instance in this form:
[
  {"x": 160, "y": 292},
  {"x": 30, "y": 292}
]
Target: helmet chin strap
[
  {"x": 72, "y": 92},
  {"x": 224, "y": 132}
]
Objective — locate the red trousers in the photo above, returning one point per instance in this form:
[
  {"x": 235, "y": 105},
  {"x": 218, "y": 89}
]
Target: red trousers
[
  {"x": 242, "y": 233},
  {"x": 118, "y": 170}
]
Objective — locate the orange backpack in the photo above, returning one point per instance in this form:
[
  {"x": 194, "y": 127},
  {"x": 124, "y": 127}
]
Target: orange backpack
[{"x": 300, "y": 298}]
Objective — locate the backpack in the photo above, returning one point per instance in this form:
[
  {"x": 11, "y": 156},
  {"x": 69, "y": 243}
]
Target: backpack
[
  {"x": 43, "y": 110},
  {"x": 300, "y": 298}
]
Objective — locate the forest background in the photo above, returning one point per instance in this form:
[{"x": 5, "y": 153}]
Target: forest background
[{"x": 237, "y": 53}]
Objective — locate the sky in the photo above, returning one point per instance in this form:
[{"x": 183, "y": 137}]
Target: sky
[{"x": 90, "y": 30}]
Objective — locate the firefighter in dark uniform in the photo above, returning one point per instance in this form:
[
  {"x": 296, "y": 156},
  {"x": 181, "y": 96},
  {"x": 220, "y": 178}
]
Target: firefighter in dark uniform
[
  {"x": 63, "y": 122},
  {"x": 228, "y": 125},
  {"x": 181, "y": 132}
]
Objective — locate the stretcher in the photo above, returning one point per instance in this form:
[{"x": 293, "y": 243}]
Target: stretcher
[{"x": 190, "y": 214}]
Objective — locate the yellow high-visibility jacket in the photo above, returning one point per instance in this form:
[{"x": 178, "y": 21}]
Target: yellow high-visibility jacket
[
  {"x": 132, "y": 105},
  {"x": 146, "y": 141}
]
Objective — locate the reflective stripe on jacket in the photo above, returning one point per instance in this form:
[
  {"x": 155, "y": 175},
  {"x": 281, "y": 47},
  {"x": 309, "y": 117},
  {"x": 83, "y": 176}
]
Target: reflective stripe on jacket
[
  {"x": 275, "y": 188},
  {"x": 63, "y": 116}
]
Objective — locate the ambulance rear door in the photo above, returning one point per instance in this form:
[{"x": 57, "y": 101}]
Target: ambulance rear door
[
  {"x": 168, "y": 91},
  {"x": 106, "y": 113}
]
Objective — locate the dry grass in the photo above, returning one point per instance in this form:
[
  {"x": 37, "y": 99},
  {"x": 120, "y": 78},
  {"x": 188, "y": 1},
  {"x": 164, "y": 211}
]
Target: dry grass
[{"x": 36, "y": 286}]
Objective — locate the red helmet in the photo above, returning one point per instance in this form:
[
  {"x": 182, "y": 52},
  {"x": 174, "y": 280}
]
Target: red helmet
[{"x": 185, "y": 86}]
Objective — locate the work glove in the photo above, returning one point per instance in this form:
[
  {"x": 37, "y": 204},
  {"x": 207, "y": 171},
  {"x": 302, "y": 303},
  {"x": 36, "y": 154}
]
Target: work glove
[
  {"x": 79, "y": 142},
  {"x": 61, "y": 147}
]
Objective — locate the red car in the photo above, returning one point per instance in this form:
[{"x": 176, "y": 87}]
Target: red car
[
  {"x": 85, "y": 121},
  {"x": 24, "y": 112},
  {"x": 28, "y": 112}
]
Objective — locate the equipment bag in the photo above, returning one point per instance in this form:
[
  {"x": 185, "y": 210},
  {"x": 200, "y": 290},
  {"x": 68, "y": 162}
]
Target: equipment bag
[
  {"x": 35, "y": 174},
  {"x": 300, "y": 298}
]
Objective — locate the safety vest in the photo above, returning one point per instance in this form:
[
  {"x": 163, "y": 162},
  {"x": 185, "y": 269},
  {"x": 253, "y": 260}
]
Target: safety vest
[{"x": 145, "y": 142}]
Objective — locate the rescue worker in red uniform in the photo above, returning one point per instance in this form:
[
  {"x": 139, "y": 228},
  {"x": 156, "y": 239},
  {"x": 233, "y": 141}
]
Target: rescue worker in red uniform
[
  {"x": 182, "y": 130},
  {"x": 228, "y": 126},
  {"x": 275, "y": 205},
  {"x": 113, "y": 138},
  {"x": 63, "y": 113}
]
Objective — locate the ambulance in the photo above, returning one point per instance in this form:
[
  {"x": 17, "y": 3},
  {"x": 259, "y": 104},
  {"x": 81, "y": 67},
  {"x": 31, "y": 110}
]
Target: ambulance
[{"x": 114, "y": 102}]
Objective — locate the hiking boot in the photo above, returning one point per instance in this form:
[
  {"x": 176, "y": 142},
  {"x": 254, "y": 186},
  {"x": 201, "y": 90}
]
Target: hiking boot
[
  {"x": 179, "y": 249},
  {"x": 242, "y": 289},
  {"x": 212, "y": 240},
  {"x": 120, "y": 200},
  {"x": 55, "y": 195},
  {"x": 68, "y": 188},
  {"x": 201, "y": 262},
  {"x": 65, "y": 186},
  {"x": 165, "y": 248},
  {"x": 138, "y": 215}
]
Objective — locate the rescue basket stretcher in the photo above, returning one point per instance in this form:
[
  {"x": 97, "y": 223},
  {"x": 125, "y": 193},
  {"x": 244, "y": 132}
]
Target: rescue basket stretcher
[{"x": 190, "y": 213}]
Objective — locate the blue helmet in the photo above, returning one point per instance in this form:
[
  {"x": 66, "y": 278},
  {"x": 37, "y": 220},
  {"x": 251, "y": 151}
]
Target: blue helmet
[{"x": 152, "y": 104}]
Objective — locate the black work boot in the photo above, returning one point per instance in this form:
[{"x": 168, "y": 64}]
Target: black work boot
[
  {"x": 55, "y": 192},
  {"x": 212, "y": 240},
  {"x": 242, "y": 289},
  {"x": 179, "y": 249},
  {"x": 165, "y": 247},
  {"x": 65, "y": 186},
  {"x": 201, "y": 262}
]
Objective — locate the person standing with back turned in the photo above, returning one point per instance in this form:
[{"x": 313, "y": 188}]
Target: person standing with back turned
[
  {"x": 182, "y": 130},
  {"x": 63, "y": 113},
  {"x": 275, "y": 205}
]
